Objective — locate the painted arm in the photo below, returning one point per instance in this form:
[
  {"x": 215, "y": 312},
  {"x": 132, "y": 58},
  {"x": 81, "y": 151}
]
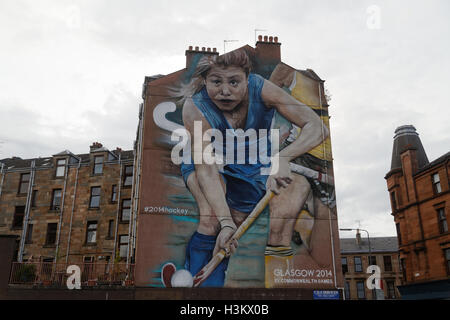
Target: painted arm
[
  {"x": 208, "y": 175},
  {"x": 312, "y": 134}
]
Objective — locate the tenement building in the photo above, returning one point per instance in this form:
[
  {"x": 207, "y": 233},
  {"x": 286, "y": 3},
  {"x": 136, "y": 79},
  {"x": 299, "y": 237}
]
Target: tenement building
[
  {"x": 357, "y": 255},
  {"x": 420, "y": 201},
  {"x": 69, "y": 208}
]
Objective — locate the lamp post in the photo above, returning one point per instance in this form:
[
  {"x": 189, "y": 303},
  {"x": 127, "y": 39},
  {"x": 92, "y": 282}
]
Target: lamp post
[{"x": 368, "y": 240}]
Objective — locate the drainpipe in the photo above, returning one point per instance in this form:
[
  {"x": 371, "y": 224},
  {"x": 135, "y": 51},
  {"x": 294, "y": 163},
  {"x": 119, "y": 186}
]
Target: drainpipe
[
  {"x": 138, "y": 176},
  {"x": 62, "y": 210},
  {"x": 3, "y": 173},
  {"x": 27, "y": 211},
  {"x": 329, "y": 211},
  {"x": 130, "y": 224},
  {"x": 118, "y": 208},
  {"x": 73, "y": 208}
]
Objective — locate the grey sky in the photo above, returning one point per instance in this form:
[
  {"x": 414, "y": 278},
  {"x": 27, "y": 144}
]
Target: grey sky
[{"x": 71, "y": 73}]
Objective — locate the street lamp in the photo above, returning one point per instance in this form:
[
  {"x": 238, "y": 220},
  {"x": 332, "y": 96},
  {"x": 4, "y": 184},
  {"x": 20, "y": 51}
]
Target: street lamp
[
  {"x": 368, "y": 240},
  {"x": 357, "y": 230}
]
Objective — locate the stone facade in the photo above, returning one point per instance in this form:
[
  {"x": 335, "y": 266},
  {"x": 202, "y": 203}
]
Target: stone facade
[
  {"x": 68, "y": 192},
  {"x": 355, "y": 261}
]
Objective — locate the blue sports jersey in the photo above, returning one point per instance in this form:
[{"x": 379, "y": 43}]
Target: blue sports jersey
[{"x": 244, "y": 183}]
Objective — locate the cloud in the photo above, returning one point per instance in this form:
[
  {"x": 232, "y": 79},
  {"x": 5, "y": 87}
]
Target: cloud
[{"x": 72, "y": 73}]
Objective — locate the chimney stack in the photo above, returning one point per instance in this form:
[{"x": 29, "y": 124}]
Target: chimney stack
[
  {"x": 197, "y": 54},
  {"x": 95, "y": 146},
  {"x": 268, "y": 49},
  {"x": 358, "y": 237}
]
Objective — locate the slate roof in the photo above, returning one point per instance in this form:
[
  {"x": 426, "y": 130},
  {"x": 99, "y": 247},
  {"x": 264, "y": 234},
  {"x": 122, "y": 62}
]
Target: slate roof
[
  {"x": 18, "y": 163},
  {"x": 377, "y": 244},
  {"x": 434, "y": 163}
]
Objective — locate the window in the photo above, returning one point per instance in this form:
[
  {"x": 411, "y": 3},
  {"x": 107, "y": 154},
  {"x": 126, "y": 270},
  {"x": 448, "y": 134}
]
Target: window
[
  {"x": 403, "y": 267},
  {"x": 33, "y": 198},
  {"x": 114, "y": 193},
  {"x": 98, "y": 165},
  {"x": 128, "y": 176},
  {"x": 29, "y": 235},
  {"x": 387, "y": 263},
  {"x": 344, "y": 265},
  {"x": 91, "y": 233},
  {"x": 123, "y": 246},
  {"x": 51, "y": 234},
  {"x": 372, "y": 260},
  {"x": 436, "y": 183},
  {"x": 19, "y": 212},
  {"x": 390, "y": 289},
  {"x": 447, "y": 259},
  {"x": 60, "y": 168},
  {"x": 56, "y": 199},
  {"x": 442, "y": 220},
  {"x": 347, "y": 290},
  {"x": 110, "y": 229},
  {"x": 393, "y": 201},
  {"x": 399, "y": 235},
  {"x": 95, "y": 198},
  {"x": 358, "y": 264},
  {"x": 24, "y": 183},
  {"x": 126, "y": 210},
  {"x": 360, "y": 290}
]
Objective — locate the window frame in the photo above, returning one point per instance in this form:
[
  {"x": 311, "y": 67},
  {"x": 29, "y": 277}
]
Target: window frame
[
  {"x": 53, "y": 206},
  {"x": 48, "y": 234},
  {"x": 18, "y": 217},
  {"x": 127, "y": 175},
  {"x": 387, "y": 262},
  {"x": 358, "y": 264},
  {"x": 88, "y": 231},
  {"x": 344, "y": 264},
  {"x": 111, "y": 229},
  {"x": 447, "y": 259},
  {"x": 390, "y": 286},
  {"x": 98, "y": 164},
  {"x": 394, "y": 202},
  {"x": 114, "y": 193},
  {"x": 92, "y": 196},
  {"x": 120, "y": 244},
  {"x": 399, "y": 234},
  {"x": 29, "y": 235},
  {"x": 442, "y": 220},
  {"x": 358, "y": 290},
  {"x": 23, "y": 182},
  {"x": 58, "y": 166},
  {"x": 371, "y": 257},
  {"x": 125, "y": 208},
  {"x": 437, "y": 187}
]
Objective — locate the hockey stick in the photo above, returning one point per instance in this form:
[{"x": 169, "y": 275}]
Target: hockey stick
[{"x": 206, "y": 271}]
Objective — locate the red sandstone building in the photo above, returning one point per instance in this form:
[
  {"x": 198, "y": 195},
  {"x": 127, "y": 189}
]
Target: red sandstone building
[{"x": 420, "y": 200}]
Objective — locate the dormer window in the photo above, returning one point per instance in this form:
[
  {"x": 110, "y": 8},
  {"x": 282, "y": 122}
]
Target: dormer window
[
  {"x": 60, "y": 168},
  {"x": 98, "y": 164}
]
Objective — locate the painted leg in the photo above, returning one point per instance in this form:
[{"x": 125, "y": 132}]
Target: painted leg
[{"x": 284, "y": 209}]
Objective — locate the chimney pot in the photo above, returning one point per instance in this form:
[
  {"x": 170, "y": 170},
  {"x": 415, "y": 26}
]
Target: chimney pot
[
  {"x": 260, "y": 38},
  {"x": 214, "y": 49},
  {"x": 275, "y": 39},
  {"x": 190, "y": 48},
  {"x": 270, "y": 39},
  {"x": 196, "y": 48},
  {"x": 265, "y": 38},
  {"x": 203, "y": 49},
  {"x": 208, "y": 49}
]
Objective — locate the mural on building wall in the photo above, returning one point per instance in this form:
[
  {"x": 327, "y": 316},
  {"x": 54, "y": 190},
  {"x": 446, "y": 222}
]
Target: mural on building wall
[{"x": 237, "y": 179}]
